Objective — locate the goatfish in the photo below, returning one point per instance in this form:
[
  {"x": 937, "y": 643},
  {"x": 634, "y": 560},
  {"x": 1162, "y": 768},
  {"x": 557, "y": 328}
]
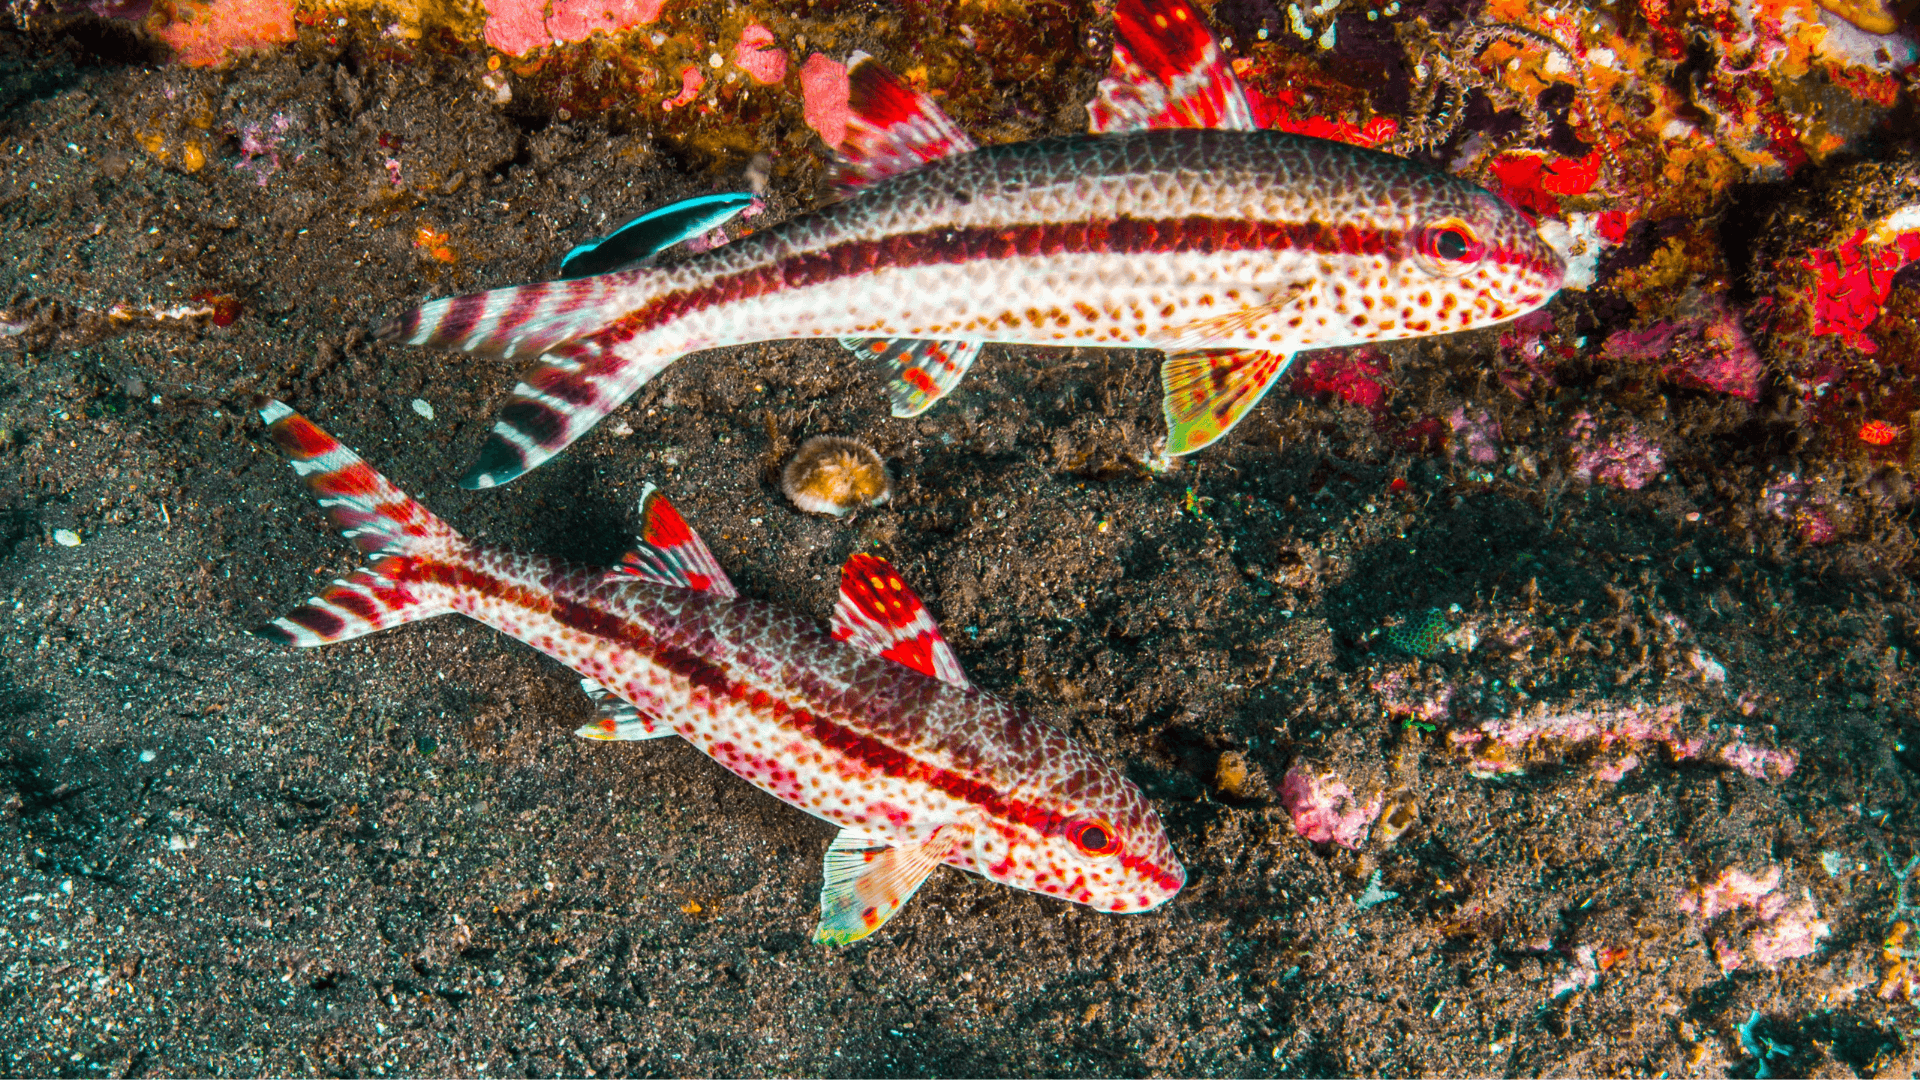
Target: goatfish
[
  {"x": 872, "y": 725},
  {"x": 1175, "y": 225}
]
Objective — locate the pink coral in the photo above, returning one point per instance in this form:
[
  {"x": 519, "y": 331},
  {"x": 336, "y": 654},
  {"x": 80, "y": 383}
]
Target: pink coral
[
  {"x": 1755, "y": 760},
  {"x": 260, "y": 146},
  {"x": 1711, "y": 351},
  {"x": 1792, "y": 499},
  {"x": 1623, "y": 457},
  {"x": 823, "y": 96},
  {"x": 206, "y": 35},
  {"x": 1614, "y": 772},
  {"x": 1475, "y": 436},
  {"x": 1781, "y": 933},
  {"x": 1494, "y": 738},
  {"x": 690, "y": 83},
  {"x": 1400, "y": 699},
  {"x": 517, "y": 27},
  {"x": 1324, "y": 809},
  {"x": 755, "y": 55},
  {"x": 1796, "y": 932},
  {"x": 1734, "y": 889}
]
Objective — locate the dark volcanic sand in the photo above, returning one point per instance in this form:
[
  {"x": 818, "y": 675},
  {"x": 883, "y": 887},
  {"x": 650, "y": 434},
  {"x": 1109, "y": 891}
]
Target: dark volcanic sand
[{"x": 226, "y": 857}]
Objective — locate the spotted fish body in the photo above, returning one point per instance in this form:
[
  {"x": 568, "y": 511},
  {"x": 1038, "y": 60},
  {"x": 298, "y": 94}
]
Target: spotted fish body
[
  {"x": 1177, "y": 227},
  {"x": 873, "y": 727}
]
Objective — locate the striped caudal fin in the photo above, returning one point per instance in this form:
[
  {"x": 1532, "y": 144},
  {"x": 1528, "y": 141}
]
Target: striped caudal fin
[
  {"x": 575, "y": 388},
  {"x": 381, "y": 520},
  {"x": 522, "y": 321}
]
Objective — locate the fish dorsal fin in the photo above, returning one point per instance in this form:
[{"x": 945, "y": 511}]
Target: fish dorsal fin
[
  {"x": 878, "y": 613},
  {"x": 867, "y": 882},
  {"x": 618, "y": 720},
  {"x": 670, "y": 552},
  {"x": 652, "y": 233},
  {"x": 1168, "y": 72},
  {"x": 890, "y": 128},
  {"x": 1208, "y": 392},
  {"x": 919, "y": 371}
]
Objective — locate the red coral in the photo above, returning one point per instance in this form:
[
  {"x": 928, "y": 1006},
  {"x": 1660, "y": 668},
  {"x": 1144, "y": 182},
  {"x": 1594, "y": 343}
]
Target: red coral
[
  {"x": 1854, "y": 279},
  {"x": 1357, "y": 377},
  {"x": 1280, "y": 112},
  {"x": 1879, "y": 432},
  {"x": 1710, "y": 351}
]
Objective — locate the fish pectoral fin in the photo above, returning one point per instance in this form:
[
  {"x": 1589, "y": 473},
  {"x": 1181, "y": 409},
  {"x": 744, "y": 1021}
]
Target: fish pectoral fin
[
  {"x": 619, "y": 720},
  {"x": 919, "y": 371},
  {"x": 669, "y": 552},
  {"x": 1167, "y": 72},
  {"x": 890, "y": 128},
  {"x": 1208, "y": 392},
  {"x": 1234, "y": 328},
  {"x": 867, "y": 882},
  {"x": 879, "y": 614},
  {"x": 653, "y": 232}
]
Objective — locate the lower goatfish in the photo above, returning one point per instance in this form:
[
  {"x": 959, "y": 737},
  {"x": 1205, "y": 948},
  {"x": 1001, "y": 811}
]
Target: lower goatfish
[
  {"x": 872, "y": 726},
  {"x": 1177, "y": 225}
]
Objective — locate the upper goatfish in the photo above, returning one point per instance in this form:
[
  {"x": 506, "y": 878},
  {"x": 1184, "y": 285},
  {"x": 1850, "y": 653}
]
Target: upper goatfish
[
  {"x": 873, "y": 727},
  {"x": 1177, "y": 226}
]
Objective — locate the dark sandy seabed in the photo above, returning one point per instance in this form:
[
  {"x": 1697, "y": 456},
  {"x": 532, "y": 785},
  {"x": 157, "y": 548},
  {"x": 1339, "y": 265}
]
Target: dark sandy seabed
[{"x": 225, "y": 857}]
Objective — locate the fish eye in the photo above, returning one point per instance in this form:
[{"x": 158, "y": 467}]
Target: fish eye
[
  {"x": 1094, "y": 837},
  {"x": 1448, "y": 247}
]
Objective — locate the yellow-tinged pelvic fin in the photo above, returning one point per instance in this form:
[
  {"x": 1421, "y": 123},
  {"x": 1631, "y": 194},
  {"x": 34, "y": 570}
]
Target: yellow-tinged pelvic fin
[
  {"x": 867, "y": 882},
  {"x": 1208, "y": 392}
]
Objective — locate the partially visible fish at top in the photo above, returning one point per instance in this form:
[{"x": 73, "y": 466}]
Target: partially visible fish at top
[
  {"x": 1177, "y": 225},
  {"x": 871, "y": 725}
]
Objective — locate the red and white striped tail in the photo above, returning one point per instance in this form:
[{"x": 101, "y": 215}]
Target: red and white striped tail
[
  {"x": 383, "y": 521},
  {"x": 522, "y": 321}
]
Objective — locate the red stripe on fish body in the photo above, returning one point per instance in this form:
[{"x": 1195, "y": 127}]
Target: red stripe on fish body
[{"x": 859, "y": 741}]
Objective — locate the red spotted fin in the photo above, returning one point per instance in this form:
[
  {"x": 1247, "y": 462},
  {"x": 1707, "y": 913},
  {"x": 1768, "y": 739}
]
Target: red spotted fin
[
  {"x": 670, "y": 552},
  {"x": 867, "y": 882},
  {"x": 1167, "y": 72},
  {"x": 1208, "y": 392},
  {"x": 878, "y": 613},
  {"x": 919, "y": 372},
  {"x": 378, "y": 517},
  {"x": 891, "y": 129},
  {"x": 618, "y": 720}
]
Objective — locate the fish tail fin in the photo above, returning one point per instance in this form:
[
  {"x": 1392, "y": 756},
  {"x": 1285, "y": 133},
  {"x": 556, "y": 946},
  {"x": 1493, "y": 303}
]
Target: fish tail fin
[
  {"x": 575, "y": 386},
  {"x": 524, "y": 320},
  {"x": 402, "y": 537}
]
